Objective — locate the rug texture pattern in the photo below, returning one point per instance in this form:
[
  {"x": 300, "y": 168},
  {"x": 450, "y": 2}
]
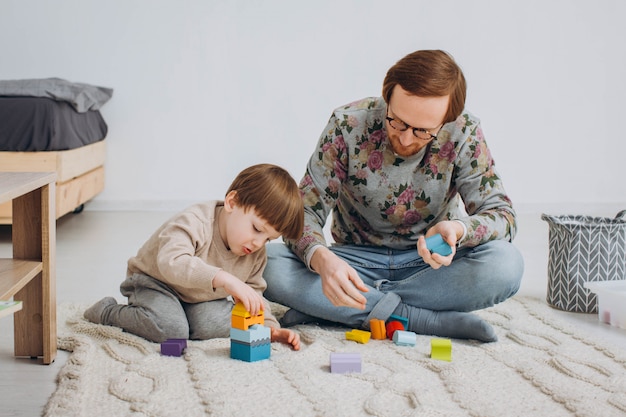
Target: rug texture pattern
[{"x": 539, "y": 367}]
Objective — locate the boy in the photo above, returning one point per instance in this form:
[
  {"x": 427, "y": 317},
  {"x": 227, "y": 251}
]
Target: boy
[{"x": 182, "y": 281}]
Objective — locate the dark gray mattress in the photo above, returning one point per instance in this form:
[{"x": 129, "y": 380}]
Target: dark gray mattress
[{"x": 42, "y": 124}]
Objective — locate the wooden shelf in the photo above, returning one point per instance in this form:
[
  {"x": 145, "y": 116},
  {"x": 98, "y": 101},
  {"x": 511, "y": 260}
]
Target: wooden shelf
[
  {"x": 30, "y": 277},
  {"x": 15, "y": 274},
  {"x": 10, "y": 310}
]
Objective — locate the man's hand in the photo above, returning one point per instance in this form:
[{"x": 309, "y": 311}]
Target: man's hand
[
  {"x": 240, "y": 291},
  {"x": 451, "y": 232},
  {"x": 286, "y": 336},
  {"x": 340, "y": 282}
]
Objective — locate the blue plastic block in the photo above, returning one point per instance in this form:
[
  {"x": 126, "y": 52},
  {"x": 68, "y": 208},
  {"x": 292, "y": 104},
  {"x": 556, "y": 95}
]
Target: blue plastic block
[
  {"x": 404, "y": 338},
  {"x": 255, "y": 333},
  {"x": 247, "y": 353},
  {"x": 436, "y": 244},
  {"x": 403, "y": 320}
]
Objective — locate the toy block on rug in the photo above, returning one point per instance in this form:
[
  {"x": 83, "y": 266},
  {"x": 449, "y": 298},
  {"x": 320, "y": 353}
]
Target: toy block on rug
[
  {"x": 403, "y": 320},
  {"x": 377, "y": 327},
  {"x": 173, "y": 347},
  {"x": 250, "y": 340},
  {"x": 441, "y": 349},
  {"x": 392, "y": 327},
  {"x": 341, "y": 363},
  {"x": 359, "y": 336},
  {"x": 404, "y": 338}
]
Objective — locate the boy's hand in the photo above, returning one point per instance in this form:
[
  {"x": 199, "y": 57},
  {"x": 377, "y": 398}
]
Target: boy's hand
[
  {"x": 286, "y": 336},
  {"x": 240, "y": 291}
]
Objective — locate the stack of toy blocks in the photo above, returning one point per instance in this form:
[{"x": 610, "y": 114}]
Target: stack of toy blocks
[{"x": 249, "y": 338}]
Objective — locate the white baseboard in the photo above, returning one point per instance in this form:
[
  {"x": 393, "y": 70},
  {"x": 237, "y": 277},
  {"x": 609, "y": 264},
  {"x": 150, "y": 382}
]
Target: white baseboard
[
  {"x": 591, "y": 209},
  {"x": 138, "y": 205}
]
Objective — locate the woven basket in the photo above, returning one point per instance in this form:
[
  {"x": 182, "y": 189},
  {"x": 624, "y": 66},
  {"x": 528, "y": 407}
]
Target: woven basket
[{"x": 581, "y": 249}]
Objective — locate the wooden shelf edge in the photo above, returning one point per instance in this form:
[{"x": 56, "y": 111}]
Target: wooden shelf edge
[
  {"x": 15, "y": 274},
  {"x": 10, "y": 310}
]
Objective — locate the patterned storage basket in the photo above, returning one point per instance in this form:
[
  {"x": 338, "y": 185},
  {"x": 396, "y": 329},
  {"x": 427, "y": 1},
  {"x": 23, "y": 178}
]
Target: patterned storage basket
[{"x": 583, "y": 248}]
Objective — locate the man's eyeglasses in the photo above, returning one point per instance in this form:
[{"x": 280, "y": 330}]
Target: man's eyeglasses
[{"x": 418, "y": 132}]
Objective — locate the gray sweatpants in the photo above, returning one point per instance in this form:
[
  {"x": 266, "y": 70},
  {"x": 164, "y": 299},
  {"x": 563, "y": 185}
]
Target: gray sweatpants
[{"x": 155, "y": 312}]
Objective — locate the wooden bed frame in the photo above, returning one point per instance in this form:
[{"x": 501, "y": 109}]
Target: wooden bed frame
[{"x": 80, "y": 174}]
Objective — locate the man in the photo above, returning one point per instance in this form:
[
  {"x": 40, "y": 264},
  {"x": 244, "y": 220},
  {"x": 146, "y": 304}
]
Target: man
[{"x": 392, "y": 170}]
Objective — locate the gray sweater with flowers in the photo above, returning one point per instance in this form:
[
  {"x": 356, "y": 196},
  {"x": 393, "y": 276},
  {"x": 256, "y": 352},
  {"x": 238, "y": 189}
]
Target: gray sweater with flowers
[{"x": 381, "y": 199}]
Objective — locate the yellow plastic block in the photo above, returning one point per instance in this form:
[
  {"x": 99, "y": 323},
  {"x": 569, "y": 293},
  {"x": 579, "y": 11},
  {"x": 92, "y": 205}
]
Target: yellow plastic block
[
  {"x": 240, "y": 311},
  {"x": 377, "y": 327},
  {"x": 441, "y": 349},
  {"x": 242, "y": 319},
  {"x": 360, "y": 336}
]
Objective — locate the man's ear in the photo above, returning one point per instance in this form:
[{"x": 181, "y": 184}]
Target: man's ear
[{"x": 230, "y": 201}]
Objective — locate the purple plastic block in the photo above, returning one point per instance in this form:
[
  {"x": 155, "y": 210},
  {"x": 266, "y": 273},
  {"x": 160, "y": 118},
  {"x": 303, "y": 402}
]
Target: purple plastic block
[
  {"x": 341, "y": 363},
  {"x": 183, "y": 342},
  {"x": 173, "y": 347}
]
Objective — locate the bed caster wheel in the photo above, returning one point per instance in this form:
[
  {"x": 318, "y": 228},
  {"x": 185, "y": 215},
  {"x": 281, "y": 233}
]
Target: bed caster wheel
[{"x": 79, "y": 209}]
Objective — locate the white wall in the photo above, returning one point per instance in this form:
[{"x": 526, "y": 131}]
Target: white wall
[{"x": 204, "y": 88}]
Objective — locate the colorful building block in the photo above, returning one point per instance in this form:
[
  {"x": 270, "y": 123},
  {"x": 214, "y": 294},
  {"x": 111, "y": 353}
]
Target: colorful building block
[
  {"x": 377, "y": 329},
  {"x": 359, "y": 336},
  {"x": 255, "y": 333},
  {"x": 341, "y": 363},
  {"x": 436, "y": 244},
  {"x": 441, "y": 349},
  {"x": 404, "y": 338},
  {"x": 242, "y": 319},
  {"x": 250, "y": 340},
  {"x": 249, "y": 353},
  {"x": 173, "y": 347},
  {"x": 392, "y": 326},
  {"x": 403, "y": 320}
]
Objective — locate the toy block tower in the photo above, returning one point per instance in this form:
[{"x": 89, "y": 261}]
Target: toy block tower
[{"x": 249, "y": 338}]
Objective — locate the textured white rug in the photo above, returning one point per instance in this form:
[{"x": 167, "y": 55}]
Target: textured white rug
[{"x": 539, "y": 367}]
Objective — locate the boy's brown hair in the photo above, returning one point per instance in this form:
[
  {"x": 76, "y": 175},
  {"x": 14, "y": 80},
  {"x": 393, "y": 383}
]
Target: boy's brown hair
[
  {"x": 274, "y": 195},
  {"x": 429, "y": 73}
]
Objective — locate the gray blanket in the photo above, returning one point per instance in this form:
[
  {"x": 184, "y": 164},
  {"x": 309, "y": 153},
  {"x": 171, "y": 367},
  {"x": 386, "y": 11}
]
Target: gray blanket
[{"x": 82, "y": 97}]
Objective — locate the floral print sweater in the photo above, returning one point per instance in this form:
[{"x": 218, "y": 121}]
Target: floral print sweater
[{"x": 379, "y": 198}]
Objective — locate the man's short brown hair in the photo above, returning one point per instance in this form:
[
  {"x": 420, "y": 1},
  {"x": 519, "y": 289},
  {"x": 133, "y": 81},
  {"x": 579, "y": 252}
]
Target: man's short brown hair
[
  {"x": 274, "y": 195},
  {"x": 429, "y": 73}
]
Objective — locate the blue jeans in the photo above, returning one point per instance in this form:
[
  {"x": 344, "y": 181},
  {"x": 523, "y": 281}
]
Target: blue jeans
[{"x": 478, "y": 277}]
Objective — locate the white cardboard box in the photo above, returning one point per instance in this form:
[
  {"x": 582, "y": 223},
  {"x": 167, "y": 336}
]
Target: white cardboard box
[{"x": 611, "y": 301}]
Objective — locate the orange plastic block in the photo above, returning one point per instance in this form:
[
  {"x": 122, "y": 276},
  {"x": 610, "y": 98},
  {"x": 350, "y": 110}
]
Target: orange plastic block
[
  {"x": 392, "y": 326},
  {"x": 377, "y": 327},
  {"x": 359, "y": 336},
  {"x": 242, "y": 319}
]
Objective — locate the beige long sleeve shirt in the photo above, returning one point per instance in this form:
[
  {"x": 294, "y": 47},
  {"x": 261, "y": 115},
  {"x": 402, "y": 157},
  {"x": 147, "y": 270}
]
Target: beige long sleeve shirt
[{"x": 187, "y": 251}]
